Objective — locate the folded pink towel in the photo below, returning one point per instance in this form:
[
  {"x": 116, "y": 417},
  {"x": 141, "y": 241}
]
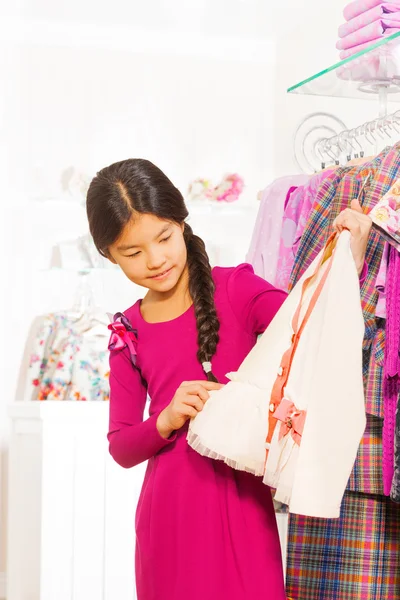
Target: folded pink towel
[
  {"x": 360, "y": 6},
  {"x": 380, "y": 29},
  {"x": 350, "y": 51},
  {"x": 391, "y": 11},
  {"x": 371, "y": 66}
]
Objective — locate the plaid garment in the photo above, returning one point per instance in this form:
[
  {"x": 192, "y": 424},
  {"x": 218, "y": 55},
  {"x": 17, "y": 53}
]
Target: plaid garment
[
  {"x": 335, "y": 195},
  {"x": 355, "y": 557}
]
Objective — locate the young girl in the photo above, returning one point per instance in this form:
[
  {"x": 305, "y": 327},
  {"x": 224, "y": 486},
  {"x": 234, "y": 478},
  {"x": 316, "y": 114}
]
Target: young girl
[{"x": 204, "y": 531}]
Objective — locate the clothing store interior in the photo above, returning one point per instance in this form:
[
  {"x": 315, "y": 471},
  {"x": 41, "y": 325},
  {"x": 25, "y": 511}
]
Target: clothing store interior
[{"x": 190, "y": 422}]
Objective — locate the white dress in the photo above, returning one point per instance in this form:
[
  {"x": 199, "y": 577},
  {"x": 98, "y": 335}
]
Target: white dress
[{"x": 306, "y": 370}]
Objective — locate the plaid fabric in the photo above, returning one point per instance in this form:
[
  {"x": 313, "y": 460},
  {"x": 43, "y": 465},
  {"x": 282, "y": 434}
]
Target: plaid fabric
[
  {"x": 356, "y": 557},
  {"x": 334, "y": 196},
  {"x": 373, "y": 371},
  {"x": 367, "y": 472}
]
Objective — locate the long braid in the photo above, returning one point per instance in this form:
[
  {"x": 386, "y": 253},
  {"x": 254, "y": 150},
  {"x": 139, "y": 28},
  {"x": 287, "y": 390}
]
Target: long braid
[{"x": 202, "y": 288}]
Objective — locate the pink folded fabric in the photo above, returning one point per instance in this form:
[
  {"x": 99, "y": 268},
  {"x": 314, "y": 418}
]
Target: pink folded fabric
[
  {"x": 370, "y": 66},
  {"x": 380, "y": 29},
  {"x": 350, "y": 51},
  {"x": 360, "y": 6},
  {"x": 391, "y": 11}
]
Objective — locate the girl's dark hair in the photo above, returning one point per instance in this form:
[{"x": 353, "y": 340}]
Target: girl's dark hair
[{"x": 136, "y": 185}]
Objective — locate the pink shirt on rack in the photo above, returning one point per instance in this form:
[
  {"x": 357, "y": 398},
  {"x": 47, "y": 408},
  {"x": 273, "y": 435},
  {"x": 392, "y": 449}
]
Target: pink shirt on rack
[
  {"x": 264, "y": 248},
  {"x": 294, "y": 221}
]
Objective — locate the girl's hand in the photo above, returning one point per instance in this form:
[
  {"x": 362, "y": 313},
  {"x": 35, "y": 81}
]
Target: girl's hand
[
  {"x": 359, "y": 225},
  {"x": 188, "y": 401}
]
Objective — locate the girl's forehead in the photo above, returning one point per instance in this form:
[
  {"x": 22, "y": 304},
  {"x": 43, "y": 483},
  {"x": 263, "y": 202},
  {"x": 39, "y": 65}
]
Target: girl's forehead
[{"x": 143, "y": 228}]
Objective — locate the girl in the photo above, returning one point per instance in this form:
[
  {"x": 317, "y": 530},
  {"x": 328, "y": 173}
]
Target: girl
[{"x": 203, "y": 530}]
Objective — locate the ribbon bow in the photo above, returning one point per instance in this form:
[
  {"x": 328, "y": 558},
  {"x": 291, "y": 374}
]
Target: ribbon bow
[
  {"x": 122, "y": 335},
  {"x": 292, "y": 420}
]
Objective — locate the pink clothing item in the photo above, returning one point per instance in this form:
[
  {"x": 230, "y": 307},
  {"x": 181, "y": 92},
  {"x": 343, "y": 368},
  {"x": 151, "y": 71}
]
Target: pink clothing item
[
  {"x": 294, "y": 221},
  {"x": 351, "y": 51},
  {"x": 380, "y": 29},
  {"x": 391, "y": 368},
  {"x": 203, "y": 530},
  {"x": 381, "y": 284},
  {"x": 290, "y": 192},
  {"x": 293, "y": 420},
  {"x": 264, "y": 248},
  {"x": 370, "y": 16},
  {"x": 357, "y": 7},
  {"x": 379, "y": 64}
]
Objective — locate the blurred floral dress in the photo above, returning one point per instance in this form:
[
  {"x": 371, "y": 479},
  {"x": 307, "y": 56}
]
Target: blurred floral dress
[{"x": 69, "y": 359}]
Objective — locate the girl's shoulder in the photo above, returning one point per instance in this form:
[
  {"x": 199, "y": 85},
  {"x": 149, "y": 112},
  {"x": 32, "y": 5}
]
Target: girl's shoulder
[
  {"x": 232, "y": 276},
  {"x": 240, "y": 284},
  {"x": 133, "y": 313}
]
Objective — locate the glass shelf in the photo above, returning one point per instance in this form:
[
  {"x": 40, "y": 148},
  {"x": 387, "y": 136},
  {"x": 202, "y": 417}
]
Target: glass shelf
[{"x": 371, "y": 73}]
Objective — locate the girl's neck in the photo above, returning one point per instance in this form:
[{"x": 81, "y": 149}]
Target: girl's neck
[{"x": 165, "y": 306}]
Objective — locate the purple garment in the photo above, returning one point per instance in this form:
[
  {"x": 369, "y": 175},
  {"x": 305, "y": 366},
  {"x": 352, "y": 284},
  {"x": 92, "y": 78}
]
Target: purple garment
[
  {"x": 370, "y": 16},
  {"x": 357, "y": 7},
  {"x": 381, "y": 284},
  {"x": 391, "y": 366},
  {"x": 264, "y": 247},
  {"x": 380, "y": 29},
  {"x": 290, "y": 192},
  {"x": 294, "y": 221},
  {"x": 395, "y": 491},
  {"x": 203, "y": 530}
]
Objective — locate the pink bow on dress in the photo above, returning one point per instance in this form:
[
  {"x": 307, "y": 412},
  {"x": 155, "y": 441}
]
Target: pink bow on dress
[
  {"x": 122, "y": 335},
  {"x": 292, "y": 420}
]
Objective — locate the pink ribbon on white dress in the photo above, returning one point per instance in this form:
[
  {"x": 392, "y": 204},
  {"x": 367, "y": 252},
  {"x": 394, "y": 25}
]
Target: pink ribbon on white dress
[{"x": 292, "y": 420}]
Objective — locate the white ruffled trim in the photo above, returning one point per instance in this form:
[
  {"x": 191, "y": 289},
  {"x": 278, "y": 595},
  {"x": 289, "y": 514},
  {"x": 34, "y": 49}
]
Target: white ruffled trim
[{"x": 194, "y": 442}]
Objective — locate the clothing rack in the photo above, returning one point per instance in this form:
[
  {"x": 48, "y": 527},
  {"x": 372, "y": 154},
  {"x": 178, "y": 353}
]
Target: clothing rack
[{"x": 350, "y": 144}]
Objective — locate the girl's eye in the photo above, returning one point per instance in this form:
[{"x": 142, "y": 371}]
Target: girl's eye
[
  {"x": 134, "y": 254},
  {"x": 166, "y": 239}
]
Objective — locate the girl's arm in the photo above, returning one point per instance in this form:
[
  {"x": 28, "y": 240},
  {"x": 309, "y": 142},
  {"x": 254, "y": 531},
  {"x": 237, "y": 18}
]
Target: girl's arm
[
  {"x": 131, "y": 440},
  {"x": 253, "y": 300}
]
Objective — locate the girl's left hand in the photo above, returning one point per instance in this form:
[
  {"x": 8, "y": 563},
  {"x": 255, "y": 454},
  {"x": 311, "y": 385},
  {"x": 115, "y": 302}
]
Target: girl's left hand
[{"x": 359, "y": 225}]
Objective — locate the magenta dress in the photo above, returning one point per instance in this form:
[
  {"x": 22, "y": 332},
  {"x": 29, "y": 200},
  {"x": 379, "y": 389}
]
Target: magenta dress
[{"x": 203, "y": 530}]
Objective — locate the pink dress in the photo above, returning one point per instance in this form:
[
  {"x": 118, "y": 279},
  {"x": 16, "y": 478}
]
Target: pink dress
[{"x": 203, "y": 530}]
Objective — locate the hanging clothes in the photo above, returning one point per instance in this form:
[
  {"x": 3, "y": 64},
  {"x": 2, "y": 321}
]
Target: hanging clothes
[
  {"x": 264, "y": 248},
  {"x": 391, "y": 388},
  {"x": 355, "y": 557},
  {"x": 381, "y": 284},
  {"x": 284, "y": 379},
  {"x": 294, "y": 221},
  {"x": 367, "y": 533},
  {"x": 395, "y": 491},
  {"x": 69, "y": 359}
]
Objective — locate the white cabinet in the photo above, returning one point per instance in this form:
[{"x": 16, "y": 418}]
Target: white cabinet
[{"x": 71, "y": 508}]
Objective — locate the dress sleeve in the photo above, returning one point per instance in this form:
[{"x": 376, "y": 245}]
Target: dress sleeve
[
  {"x": 131, "y": 440},
  {"x": 253, "y": 300}
]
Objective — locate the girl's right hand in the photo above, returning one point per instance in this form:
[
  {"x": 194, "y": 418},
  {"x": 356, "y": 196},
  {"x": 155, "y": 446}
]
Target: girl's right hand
[{"x": 188, "y": 401}]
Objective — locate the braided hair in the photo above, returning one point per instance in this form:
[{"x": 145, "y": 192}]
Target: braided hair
[{"x": 138, "y": 186}]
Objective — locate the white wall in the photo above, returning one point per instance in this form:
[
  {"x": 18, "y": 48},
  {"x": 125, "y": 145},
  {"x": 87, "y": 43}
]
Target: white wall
[{"x": 186, "y": 85}]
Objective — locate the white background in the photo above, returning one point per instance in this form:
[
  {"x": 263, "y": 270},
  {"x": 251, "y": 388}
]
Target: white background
[{"x": 196, "y": 86}]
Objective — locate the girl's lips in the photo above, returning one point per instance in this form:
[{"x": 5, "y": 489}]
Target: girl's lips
[{"x": 162, "y": 275}]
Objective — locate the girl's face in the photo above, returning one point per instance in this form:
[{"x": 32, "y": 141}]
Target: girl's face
[{"x": 151, "y": 252}]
